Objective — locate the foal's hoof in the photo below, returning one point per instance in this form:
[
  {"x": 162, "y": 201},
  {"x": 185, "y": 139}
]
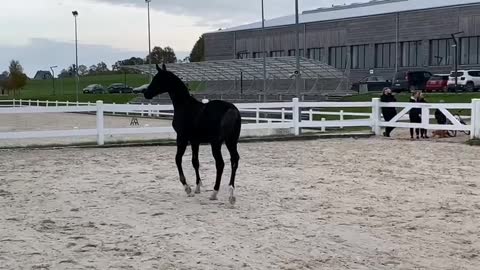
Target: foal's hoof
[
  {"x": 232, "y": 200},
  {"x": 214, "y": 196},
  {"x": 188, "y": 190},
  {"x": 197, "y": 189}
]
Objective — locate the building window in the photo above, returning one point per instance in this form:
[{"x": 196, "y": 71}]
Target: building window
[
  {"x": 441, "y": 52},
  {"x": 242, "y": 55},
  {"x": 338, "y": 57},
  {"x": 292, "y": 52},
  {"x": 316, "y": 54},
  {"x": 411, "y": 52},
  {"x": 276, "y": 53},
  {"x": 358, "y": 55},
  {"x": 385, "y": 55},
  {"x": 257, "y": 55},
  {"x": 469, "y": 50}
]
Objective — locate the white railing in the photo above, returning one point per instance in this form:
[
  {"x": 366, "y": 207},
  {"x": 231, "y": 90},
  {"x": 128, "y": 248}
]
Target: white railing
[{"x": 292, "y": 115}]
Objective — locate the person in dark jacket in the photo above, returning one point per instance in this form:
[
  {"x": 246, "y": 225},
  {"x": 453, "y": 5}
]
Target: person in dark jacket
[
  {"x": 414, "y": 114},
  {"x": 423, "y": 132},
  {"x": 388, "y": 113}
]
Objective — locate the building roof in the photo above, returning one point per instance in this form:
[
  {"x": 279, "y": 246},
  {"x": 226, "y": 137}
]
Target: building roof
[
  {"x": 374, "y": 7},
  {"x": 42, "y": 74},
  {"x": 251, "y": 68}
]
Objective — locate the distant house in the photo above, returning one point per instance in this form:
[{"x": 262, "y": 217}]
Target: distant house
[{"x": 43, "y": 75}]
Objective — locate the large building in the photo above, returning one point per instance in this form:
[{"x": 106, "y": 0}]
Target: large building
[{"x": 380, "y": 35}]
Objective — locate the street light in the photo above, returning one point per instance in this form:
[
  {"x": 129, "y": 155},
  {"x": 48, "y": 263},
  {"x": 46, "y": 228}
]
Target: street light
[
  {"x": 75, "y": 15},
  {"x": 264, "y": 56},
  {"x": 297, "y": 51},
  {"x": 456, "y": 57},
  {"x": 149, "y": 39},
  {"x": 53, "y": 77}
]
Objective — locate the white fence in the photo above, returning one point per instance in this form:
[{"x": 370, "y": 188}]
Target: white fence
[{"x": 292, "y": 115}]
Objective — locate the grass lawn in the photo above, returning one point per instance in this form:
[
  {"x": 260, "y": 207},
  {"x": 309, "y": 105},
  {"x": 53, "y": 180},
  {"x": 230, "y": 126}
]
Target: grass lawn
[{"x": 65, "y": 89}]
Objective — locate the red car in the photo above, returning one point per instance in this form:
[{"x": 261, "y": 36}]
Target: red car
[{"x": 437, "y": 83}]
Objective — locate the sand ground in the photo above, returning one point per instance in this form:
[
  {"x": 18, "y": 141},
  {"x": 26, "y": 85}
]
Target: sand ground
[{"x": 327, "y": 204}]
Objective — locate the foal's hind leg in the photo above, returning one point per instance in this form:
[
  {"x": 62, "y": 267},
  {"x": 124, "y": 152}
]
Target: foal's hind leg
[
  {"x": 220, "y": 164},
  {"x": 234, "y": 158},
  {"x": 181, "y": 147},
  {"x": 196, "y": 165}
]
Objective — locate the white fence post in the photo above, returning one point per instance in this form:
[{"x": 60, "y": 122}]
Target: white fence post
[
  {"x": 283, "y": 115},
  {"x": 128, "y": 103},
  {"x": 46, "y": 103},
  {"x": 475, "y": 132},
  {"x": 296, "y": 116},
  {"x": 149, "y": 110},
  {"x": 29, "y": 103},
  {"x": 425, "y": 117},
  {"x": 324, "y": 128},
  {"x": 20, "y": 101},
  {"x": 257, "y": 115},
  {"x": 13, "y": 101},
  {"x": 342, "y": 117},
  {"x": 38, "y": 103},
  {"x": 142, "y": 110},
  {"x": 56, "y": 103},
  {"x": 100, "y": 124},
  {"x": 376, "y": 116},
  {"x": 113, "y": 113},
  {"x": 310, "y": 112}
]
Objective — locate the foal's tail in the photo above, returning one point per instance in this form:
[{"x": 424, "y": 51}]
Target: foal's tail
[{"x": 232, "y": 125}]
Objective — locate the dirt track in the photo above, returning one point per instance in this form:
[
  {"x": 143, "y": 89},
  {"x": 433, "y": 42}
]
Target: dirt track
[{"x": 329, "y": 204}]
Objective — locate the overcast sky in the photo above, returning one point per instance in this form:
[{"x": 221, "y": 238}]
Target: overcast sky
[{"x": 40, "y": 33}]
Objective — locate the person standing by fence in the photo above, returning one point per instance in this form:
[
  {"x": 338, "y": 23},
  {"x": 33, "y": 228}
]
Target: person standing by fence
[
  {"x": 423, "y": 132},
  {"x": 415, "y": 114},
  {"x": 388, "y": 113}
]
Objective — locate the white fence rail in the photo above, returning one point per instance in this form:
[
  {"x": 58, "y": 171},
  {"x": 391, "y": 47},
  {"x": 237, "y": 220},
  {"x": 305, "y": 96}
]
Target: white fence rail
[{"x": 293, "y": 115}]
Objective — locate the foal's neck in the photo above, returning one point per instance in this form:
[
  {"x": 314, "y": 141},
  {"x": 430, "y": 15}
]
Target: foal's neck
[{"x": 179, "y": 94}]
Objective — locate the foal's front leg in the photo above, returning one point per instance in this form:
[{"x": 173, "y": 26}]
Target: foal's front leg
[
  {"x": 196, "y": 166},
  {"x": 181, "y": 147}
]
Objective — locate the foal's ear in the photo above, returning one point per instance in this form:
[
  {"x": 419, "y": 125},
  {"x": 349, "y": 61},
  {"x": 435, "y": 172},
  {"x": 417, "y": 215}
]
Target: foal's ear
[
  {"x": 158, "y": 68},
  {"x": 164, "y": 67}
]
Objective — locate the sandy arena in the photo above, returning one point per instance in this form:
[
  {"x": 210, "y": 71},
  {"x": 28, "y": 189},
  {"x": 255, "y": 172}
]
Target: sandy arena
[{"x": 327, "y": 204}]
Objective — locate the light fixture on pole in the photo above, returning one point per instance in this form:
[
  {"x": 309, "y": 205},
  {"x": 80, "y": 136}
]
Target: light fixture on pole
[
  {"x": 149, "y": 39},
  {"x": 455, "y": 45},
  {"x": 264, "y": 55},
  {"x": 53, "y": 77},
  {"x": 75, "y": 15},
  {"x": 297, "y": 51}
]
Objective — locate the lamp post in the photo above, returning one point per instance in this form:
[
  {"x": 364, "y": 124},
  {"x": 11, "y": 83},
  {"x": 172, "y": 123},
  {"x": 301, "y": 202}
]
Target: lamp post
[
  {"x": 149, "y": 39},
  {"x": 75, "y": 15},
  {"x": 455, "y": 45},
  {"x": 297, "y": 51},
  {"x": 264, "y": 55},
  {"x": 53, "y": 77}
]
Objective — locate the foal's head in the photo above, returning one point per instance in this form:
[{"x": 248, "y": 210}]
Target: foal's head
[{"x": 161, "y": 83}]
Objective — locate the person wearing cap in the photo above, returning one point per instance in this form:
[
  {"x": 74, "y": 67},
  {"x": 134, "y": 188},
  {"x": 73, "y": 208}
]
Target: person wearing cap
[{"x": 388, "y": 113}]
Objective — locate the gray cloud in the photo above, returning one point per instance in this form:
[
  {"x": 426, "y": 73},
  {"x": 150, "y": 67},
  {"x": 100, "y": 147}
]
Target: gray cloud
[
  {"x": 226, "y": 13},
  {"x": 40, "y": 54}
]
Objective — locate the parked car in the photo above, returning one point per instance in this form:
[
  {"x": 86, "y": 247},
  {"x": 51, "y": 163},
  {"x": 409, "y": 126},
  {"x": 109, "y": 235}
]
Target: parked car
[
  {"x": 140, "y": 89},
  {"x": 119, "y": 88},
  {"x": 94, "y": 89},
  {"x": 410, "y": 80},
  {"x": 374, "y": 83},
  {"x": 467, "y": 80},
  {"x": 437, "y": 83}
]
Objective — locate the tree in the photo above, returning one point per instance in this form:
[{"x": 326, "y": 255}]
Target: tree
[
  {"x": 102, "y": 67},
  {"x": 159, "y": 55},
  {"x": 198, "y": 51},
  {"x": 92, "y": 70},
  {"x": 82, "y": 70},
  {"x": 16, "y": 79}
]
